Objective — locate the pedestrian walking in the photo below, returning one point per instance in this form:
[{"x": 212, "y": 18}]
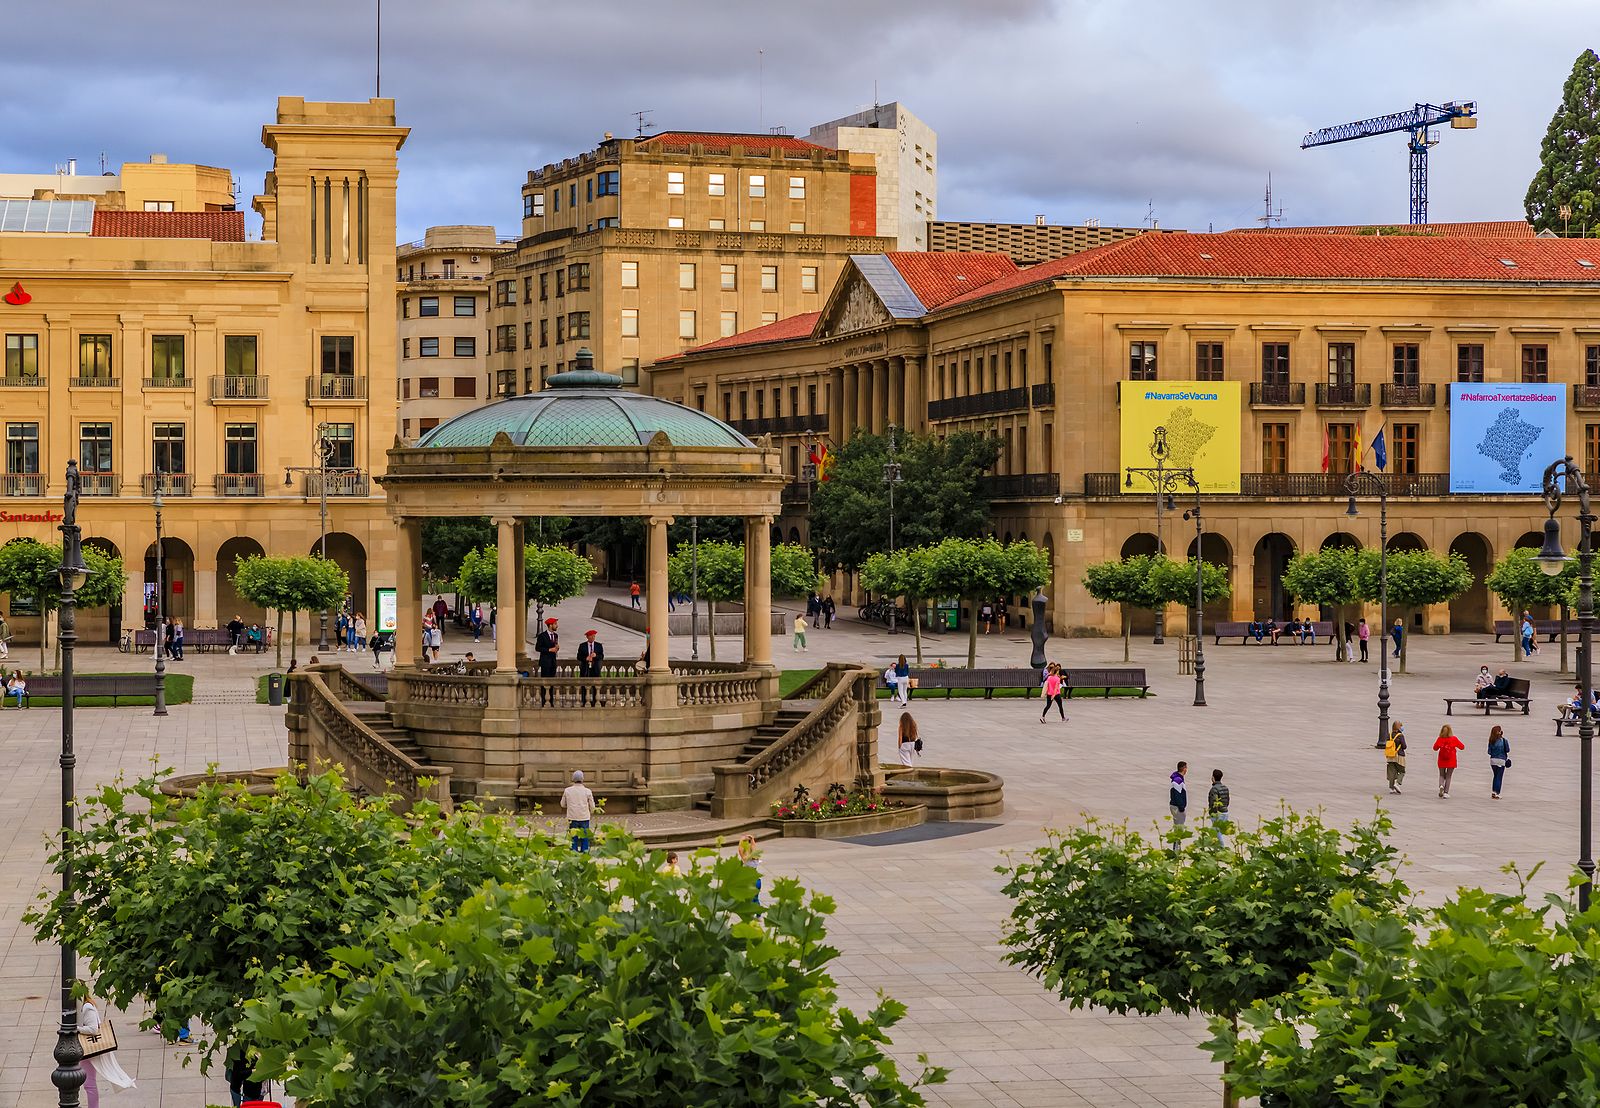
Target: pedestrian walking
[
  {"x": 104, "y": 1064},
  {"x": 5, "y": 637},
  {"x": 1217, "y": 807},
  {"x": 1499, "y": 759},
  {"x": 1178, "y": 795},
  {"x": 827, "y": 613},
  {"x": 800, "y": 632},
  {"x": 177, "y": 640},
  {"x": 1396, "y": 633},
  {"x": 1363, "y": 632},
  {"x": 1053, "y": 693},
  {"x": 633, "y": 594},
  {"x": 1447, "y": 744},
  {"x": 235, "y": 634},
  {"x": 751, "y": 858},
  {"x": 1349, "y": 630},
  {"x": 902, "y": 680},
  {"x": 1394, "y": 756},
  {"x": 341, "y": 625},
  {"x": 907, "y": 741},
  {"x": 986, "y": 614},
  {"x": 814, "y": 609},
  {"x": 358, "y": 628},
  {"x": 475, "y": 619},
  {"x": 577, "y": 804}
]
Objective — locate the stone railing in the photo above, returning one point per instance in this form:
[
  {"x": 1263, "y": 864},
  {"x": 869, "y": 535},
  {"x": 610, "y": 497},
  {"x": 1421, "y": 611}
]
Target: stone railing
[
  {"x": 444, "y": 688},
  {"x": 370, "y": 763},
  {"x": 740, "y": 688},
  {"x": 682, "y": 668},
  {"x": 543, "y": 693},
  {"x": 347, "y": 687}
]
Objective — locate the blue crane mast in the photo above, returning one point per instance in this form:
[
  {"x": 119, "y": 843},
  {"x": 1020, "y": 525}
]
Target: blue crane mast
[{"x": 1415, "y": 122}]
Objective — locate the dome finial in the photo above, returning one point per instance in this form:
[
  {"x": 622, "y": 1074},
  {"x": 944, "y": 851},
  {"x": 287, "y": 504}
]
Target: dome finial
[{"x": 583, "y": 375}]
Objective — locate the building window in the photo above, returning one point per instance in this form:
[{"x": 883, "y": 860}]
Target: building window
[
  {"x": 239, "y": 448},
  {"x": 544, "y": 332},
  {"x": 166, "y": 357},
  {"x": 505, "y": 338},
  {"x": 686, "y": 275},
  {"x": 758, "y": 225},
  {"x": 768, "y": 317},
  {"x": 94, "y": 356},
  {"x": 588, "y": 190},
  {"x": 572, "y": 195},
  {"x": 527, "y": 290},
  {"x": 1274, "y": 363},
  {"x": 729, "y": 324},
  {"x": 716, "y": 185},
  {"x": 561, "y": 329},
  {"x": 527, "y": 377},
  {"x": 727, "y": 406},
  {"x": 465, "y": 306},
  {"x": 505, "y": 382},
  {"x": 797, "y": 188},
  {"x": 578, "y": 277},
  {"x": 578, "y": 325},
  {"x": 1141, "y": 361},
  {"x": 1048, "y": 352},
  {"x": 758, "y": 184},
  {"x": 1208, "y": 361},
  {"x": 527, "y": 205},
  {"x": 674, "y": 182},
  {"x": 405, "y": 348},
  {"x": 1405, "y": 452},
  {"x": 1341, "y": 447},
  {"x": 428, "y": 306},
  {"x": 527, "y": 334},
  {"x": 797, "y": 226},
  {"x": 561, "y": 283},
  {"x": 811, "y": 400},
  {"x": 94, "y": 448},
  {"x": 466, "y": 388},
  {"x": 1407, "y": 364},
  {"x": 1591, "y": 448},
  {"x": 465, "y": 347},
  {"x": 1535, "y": 363},
  {"x": 428, "y": 348},
  {"x": 1469, "y": 362},
  {"x": 808, "y": 278},
  {"x": 405, "y": 307},
  {"x": 730, "y": 278},
  {"x": 238, "y": 356},
  {"x": 22, "y": 448},
  {"x": 341, "y": 438},
  {"x": 1274, "y": 448},
  {"x": 405, "y": 388},
  {"x": 608, "y": 183},
  {"x": 544, "y": 286},
  {"x": 1591, "y": 366},
  {"x": 167, "y": 448},
  {"x": 428, "y": 388},
  {"x": 1342, "y": 363},
  {"x": 686, "y": 324},
  {"x": 716, "y": 224},
  {"x": 158, "y": 205},
  {"x": 555, "y": 199},
  {"x": 769, "y": 278},
  {"x": 505, "y": 293},
  {"x": 630, "y": 323},
  {"x": 630, "y": 275}
]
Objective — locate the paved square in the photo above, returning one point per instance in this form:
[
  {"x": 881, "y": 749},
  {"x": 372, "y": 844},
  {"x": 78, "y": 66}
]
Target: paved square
[{"x": 921, "y": 921}]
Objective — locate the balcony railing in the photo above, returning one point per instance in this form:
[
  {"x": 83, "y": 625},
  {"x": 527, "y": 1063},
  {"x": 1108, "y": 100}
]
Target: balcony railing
[
  {"x": 168, "y": 383},
  {"x": 979, "y": 404},
  {"x": 241, "y": 484},
  {"x": 780, "y": 425},
  {"x": 82, "y": 382},
  {"x": 1044, "y": 395},
  {"x": 336, "y": 387},
  {"x": 1283, "y": 485},
  {"x": 100, "y": 484},
  {"x": 239, "y": 387},
  {"x": 24, "y": 484},
  {"x": 1288, "y": 394},
  {"x": 342, "y": 483},
  {"x": 797, "y": 493},
  {"x": 23, "y": 381},
  {"x": 171, "y": 484},
  {"x": 1586, "y": 398},
  {"x": 1407, "y": 396},
  {"x": 1344, "y": 396},
  {"x": 1019, "y": 486}
]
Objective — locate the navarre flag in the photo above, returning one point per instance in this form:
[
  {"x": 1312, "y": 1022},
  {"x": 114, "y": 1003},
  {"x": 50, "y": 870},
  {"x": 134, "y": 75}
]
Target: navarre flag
[
  {"x": 1380, "y": 450},
  {"x": 820, "y": 458}
]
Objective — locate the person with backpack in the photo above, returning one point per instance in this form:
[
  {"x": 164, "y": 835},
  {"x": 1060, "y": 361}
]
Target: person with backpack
[
  {"x": 1499, "y": 759},
  {"x": 1447, "y": 744},
  {"x": 1053, "y": 693},
  {"x": 1394, "y": 756},
  {"x": 1178, "y": 795}
]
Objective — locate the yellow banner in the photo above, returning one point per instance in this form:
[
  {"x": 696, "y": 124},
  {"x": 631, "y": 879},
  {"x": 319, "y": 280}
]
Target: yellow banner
[{"x": 1202, "y": 419}]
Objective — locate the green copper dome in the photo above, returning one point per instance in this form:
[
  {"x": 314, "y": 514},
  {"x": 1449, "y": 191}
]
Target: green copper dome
[{"x": 583, "y": 408}]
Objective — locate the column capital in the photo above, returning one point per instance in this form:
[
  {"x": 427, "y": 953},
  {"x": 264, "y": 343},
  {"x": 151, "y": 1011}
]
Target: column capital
[
  {"x": 664, "y": 521},
  {"x": 503, "y": 521}
]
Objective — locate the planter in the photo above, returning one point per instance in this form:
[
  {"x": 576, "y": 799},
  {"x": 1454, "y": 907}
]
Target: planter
[
  {"x": 257, "y": 782},
  {"x": 848, "y": 827}
]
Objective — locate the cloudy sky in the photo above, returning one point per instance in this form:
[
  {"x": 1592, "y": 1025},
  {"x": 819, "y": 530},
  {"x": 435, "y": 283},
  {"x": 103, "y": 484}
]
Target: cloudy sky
[{"x": 1078, "y": 109}]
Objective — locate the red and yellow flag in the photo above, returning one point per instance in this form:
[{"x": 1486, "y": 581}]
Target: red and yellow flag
[
  {"x": 820, "y": 458},
  {"x": 1355, "y": 451}
]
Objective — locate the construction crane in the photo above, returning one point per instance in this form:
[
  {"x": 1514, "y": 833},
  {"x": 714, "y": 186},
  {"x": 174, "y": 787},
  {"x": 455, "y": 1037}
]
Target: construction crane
[{"x": 1416, "y": 121}]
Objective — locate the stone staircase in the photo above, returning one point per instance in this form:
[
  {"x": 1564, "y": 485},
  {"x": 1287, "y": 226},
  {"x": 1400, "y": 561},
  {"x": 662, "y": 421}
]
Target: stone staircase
[
  {"x": 375, "y": 714},
  {"x": 789, "y": 714}
]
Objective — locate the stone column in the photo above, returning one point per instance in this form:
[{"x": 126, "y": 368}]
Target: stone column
[
  {"x": 408, "y": 594},
  {"x": 849, "y": 392},
  {"x": 882, "y": 401},
  {"x": 863, "y": 418},
  {"x": 205, "y": 586},
  {"x": 916, "y": 400},
  {"x": 831, "y": 401},
  {"x": 758, "y": 591},
  {"x": 507, "y": 637},
  {"x": 897, "y": 391},
  {"x": 655, "y": 592},
  {"x": 519, "y": 538}
]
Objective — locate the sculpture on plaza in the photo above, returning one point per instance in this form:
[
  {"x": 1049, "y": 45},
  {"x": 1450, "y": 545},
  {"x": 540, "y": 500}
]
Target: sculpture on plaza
[{"x": 1039, "y": 602}]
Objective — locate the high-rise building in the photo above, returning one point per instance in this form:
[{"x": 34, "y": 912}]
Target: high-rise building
[
  {"x": 444, "y": 324},
  {"x": 643, "y": 247},
  {"x": 908, "y": 176},
  {"x": 162, "y": 350}
]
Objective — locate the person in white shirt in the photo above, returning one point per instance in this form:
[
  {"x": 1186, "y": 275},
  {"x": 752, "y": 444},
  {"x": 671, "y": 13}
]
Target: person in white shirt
[
  {"x": 578, "y": 804},
  {"x": 101, "y": 1065}
]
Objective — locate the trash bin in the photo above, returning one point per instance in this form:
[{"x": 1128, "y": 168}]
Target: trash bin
[{"x": 275, "y": 689}]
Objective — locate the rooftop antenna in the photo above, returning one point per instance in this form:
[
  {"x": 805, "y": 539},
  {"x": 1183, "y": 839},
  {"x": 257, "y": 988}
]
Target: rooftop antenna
[
  {"x": 1150, "y": 215},
  {"x": 643, "y": 124},
  {"x": 761, "y": 89},
  {"x": 377, "y": 51},
  {"x": 1268, "y": 217},
  {"x": 102, "y": 162}
]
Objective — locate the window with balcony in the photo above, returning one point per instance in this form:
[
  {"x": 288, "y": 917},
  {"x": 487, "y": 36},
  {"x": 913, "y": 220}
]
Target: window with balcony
[
  {"x": 168, "y": 448},
  {"x": 716, "y": 184},
  {"x": 94, "y": 448},
  {"x": 686, "y": 324},
  {"x": 1341, "y": 364},
  {"x": 758, "y": 184},
  {"x": 1407, "y": 363},
  {"x": 427, "y": 306},
  {"x": 578, "y": 277},
  {"x": 239, "y": 356},
  {"x": 608, "y": 183},
  {"x": 338, "y": 355},
  {"x": 808, "y": 278},
  {"x": 797, "y": 188},
  {"x": 674, "y": 182},
  {"x": 686, "y": 275},
  {"x": 166, "y": 358},
  {"x": 239, "y": 448},
  {"x": 1591, "y": 449},
  {"x": 428, "y": 347},
  {"x": 466, "y": 346},
  {"x": 728, "y": 325},
  {"x": 1535, "y": 363},
  {"x": 1274, "y": 448},
  {"x": 465, "y": 306},
  {"x": 22, "y": 448},
  {"x": 769, "y": 278},
  {"x": 630, "y": 323},
  {"x": 1403, "y": 450},
  {"x": 1341, "y": 447},
  {"x": 1208, "y": 361},
  {"x": 427, "y": 387},
  {"x": 1469, "y": 363},
  {"x": 578, "y": 325},
  {"x": 94, "y": 358},
  {"x": 730, "y": 277},
  {"x": 1591, "y": 366},
  {"x": 630, "y": 275},
  {"x": 1141, "y": 361}
]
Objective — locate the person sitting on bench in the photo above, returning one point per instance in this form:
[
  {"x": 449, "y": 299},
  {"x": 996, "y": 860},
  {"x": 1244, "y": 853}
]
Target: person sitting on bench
[
  {"x": 1308, "y": 632},
  {"x": 1500, "y": 689},
  {"x": 1483, "y": 686},
  {"x": 1273, "y": 629},
  {"x": 1292, "y": 629},
  {"x": 16, "y": 686},
  {"x": 1256, "y": 629}
]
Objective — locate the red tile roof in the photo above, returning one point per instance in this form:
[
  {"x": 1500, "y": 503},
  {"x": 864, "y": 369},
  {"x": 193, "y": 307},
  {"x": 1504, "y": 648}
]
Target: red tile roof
[
  {"x": 1494, "y": 229},
  {"x": 1326, "y": 257},
  {"x": 723, "y": 142},
  {"x": 939, "y": 277},
  {"x": 216, "y": 226},
  {"x": 784, "y": 330}
]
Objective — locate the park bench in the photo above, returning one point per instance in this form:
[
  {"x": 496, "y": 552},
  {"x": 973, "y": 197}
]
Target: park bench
[
  {"x": 1241, "y": 631},
  {"x": 114, "y": 685},
  {"x": 1570, "y": 721},
  {"x": 203, "y": 639},
  {"x": 1122, "y": 677},
  {"x": 1549, "y": 628},
  {"x": 1515, "y": 697},
  {"x": 986, "y": 679}
]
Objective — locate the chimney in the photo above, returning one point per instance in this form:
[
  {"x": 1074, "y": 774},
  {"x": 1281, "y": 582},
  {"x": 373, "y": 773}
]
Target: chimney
[
  {"x": 72, "y": 167},
  {"x": 1038, "y": 220}
]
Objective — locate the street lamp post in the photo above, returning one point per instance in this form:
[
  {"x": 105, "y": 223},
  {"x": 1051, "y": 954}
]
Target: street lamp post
[
  {"x": 1552, "y": 558},
  {"x": 694, "y": 588},
  {"x": 324, "y": 449},
  {"x": 1163, "y": 480},
  {"x": 891, "y": 477},
  {"x": 161, "y": 601},
  {"x": 1351, "y": 483},
  {"x": 1199, "y": 599},
  {"x": 68, "y": 1076}
]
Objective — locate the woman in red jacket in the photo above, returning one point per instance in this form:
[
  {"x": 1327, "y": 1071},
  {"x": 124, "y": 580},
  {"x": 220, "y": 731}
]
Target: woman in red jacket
[{"x": 1447, "y": 744}]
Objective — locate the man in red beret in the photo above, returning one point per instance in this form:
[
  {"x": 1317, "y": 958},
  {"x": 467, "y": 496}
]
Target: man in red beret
[
  {"x": 546, "y": 646},
  {"x": 591, "y": 652}
]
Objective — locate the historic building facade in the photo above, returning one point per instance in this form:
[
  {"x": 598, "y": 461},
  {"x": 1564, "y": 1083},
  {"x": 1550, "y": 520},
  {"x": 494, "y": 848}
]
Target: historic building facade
[
  {"x": 1328, "y": 338},
  {"x": 164, "y": 351}
]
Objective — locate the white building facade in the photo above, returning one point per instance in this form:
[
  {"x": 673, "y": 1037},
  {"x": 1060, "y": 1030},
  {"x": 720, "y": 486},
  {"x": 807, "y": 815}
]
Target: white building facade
[{"x": 906, "y": 149}]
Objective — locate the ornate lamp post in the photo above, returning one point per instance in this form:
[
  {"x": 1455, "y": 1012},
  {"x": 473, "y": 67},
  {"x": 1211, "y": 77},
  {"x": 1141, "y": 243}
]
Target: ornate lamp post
[
  {"x": 1552, "y": 557},
  {"x": 68, "y": 1076},
  {"x": 694, "y": 588},
  {"x": 891, "y": 477},
  {"x": 1163, "y": 479},
  {"x": 161, "y": 600},
  {"x": 1351, "y": 483},
  {"x": 1199, "y": 598},
  {"x": 324, "y": 448}
]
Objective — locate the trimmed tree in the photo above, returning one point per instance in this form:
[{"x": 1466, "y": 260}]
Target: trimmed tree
[
  {"x": 899, "y": 576},
  {"x": 721, "y": 575},
  {"x": 1106, "y": 917},
  {"x": 1518, "y": 582},
  {"x": 1327, "y": 577},
  {"x": 1417, "y": 578},
  {"x": 550, "y": 574},
  {"x": 1569, "y": 157},
  {"x": 970, "y": 569},
  {"x": 1171, "y": 582},
  {"x": 1124, "y": 583},
  {"x": 293, "y": 585},
  {"x": 31, "y": 569}
]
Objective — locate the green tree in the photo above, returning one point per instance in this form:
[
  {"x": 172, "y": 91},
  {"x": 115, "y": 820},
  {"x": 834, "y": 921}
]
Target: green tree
[
  {"x": 1328, "y": 578},
  {"x": 1170, "y": 582},
  {"x": 445, "y": 541},
  {"x": 292, "y": 585},
  {"x": 972, "y": 569},
  {"x": 1185, "y": 924},
  {"x": 721, "y": 574},
  {"x": 901, "y": 575},
  {"x": 940, "y": 494},
  {"x": 1490, "y": 1001},
  {"x": 1417, "y": 578},
  {"x": 794, "y": 570},
  {"x": 1124, "y": 583},
  {"x": 1519, "y": 582},
  {"x": 550, "y": 574},
  {"x": 1569, "y": 157},
  {"x": 31, "y": 569}
]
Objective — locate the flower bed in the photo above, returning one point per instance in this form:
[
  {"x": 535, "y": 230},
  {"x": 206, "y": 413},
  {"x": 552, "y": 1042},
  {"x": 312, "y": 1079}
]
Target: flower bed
[{"x": 842, "y": 814}]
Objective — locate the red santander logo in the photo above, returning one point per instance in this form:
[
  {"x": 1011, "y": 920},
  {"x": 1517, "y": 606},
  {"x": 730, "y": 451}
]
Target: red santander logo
[{"x": 18, "y": 296}]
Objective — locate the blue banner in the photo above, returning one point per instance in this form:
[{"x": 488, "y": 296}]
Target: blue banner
[{"x": 1503, "y": 436}]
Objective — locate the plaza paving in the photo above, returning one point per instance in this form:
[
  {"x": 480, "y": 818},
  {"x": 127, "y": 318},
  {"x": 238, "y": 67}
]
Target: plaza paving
[{"x": 921, "y": 921}]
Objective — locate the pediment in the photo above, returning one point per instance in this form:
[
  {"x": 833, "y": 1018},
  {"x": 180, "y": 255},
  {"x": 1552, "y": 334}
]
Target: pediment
[{"x": 854, "y": 306}]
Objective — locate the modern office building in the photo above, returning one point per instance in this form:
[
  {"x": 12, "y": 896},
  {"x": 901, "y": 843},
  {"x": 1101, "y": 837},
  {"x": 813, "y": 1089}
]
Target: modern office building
[
  {"x": 1274, "y": 360},
  {"x": 163, "y": 350},
  {"x": 444, "y": 324},
  {"x": 906, "y": 151},
  {"x": 643, "y": 247},
  {"x": 1026, "y": 243}
]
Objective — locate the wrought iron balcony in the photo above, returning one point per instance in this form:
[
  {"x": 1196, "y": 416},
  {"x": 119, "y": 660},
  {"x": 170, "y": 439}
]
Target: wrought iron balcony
[
  {"x": 1344, "y": 396},
  {"x": 239, "y": 387},
  {"x": 1332, "y": 484},
  {"x": 100, "y": 484},
  {"x": 1407, "y": 396},
  {"x": 171, "y": 484},
  {"x": 780, "y": 425},
  {"x": 797, "y": 493},
  {"x": 1044, "y": 395},
  {"x": 23, "y": 381},
  {"x": 1020, "y": 486},
  {"x": 1586, "y": 398},
  {"x": 1287, "y": 394},
  {"x": 979, "y": 404},
  {"x": 335, "y": 387},
  {"x": 350, "y": 482},
  {"x": 241, "y": 484},
  {"x": 168, "y": 383}
]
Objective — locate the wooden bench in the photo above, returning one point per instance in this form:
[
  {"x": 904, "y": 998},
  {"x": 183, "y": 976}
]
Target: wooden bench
[
  {"x": 203, "y": 639},
  {"x": 1241, "y": 631},
  {"x": 114, "y": 685},
  {"x": 1549, "y": 628},
  {"x": 1105, "y": 679},
  {"x": 986, "y": 679},
  {"x": 1514, "y": 697},
  {"x": 1570, "y": 721}
]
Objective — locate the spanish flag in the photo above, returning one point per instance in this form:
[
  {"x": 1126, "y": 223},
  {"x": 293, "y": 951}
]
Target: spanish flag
[
  {"x": 820, "y": 458},
  {"x": 1356, "y": 451}
]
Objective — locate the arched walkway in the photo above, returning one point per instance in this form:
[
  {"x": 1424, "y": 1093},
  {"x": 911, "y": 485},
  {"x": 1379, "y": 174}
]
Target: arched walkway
[
  {"x": 1470, "y": 610},
  {"x": 1270, "y": 560},
  {"x": 1143, "y": 620},
  {"x": 794, "y": 535},
  {"x": 177, "y": 580},
  {"x": 1406, "y": 541},
  {"x": 346, "y": 551},
  {"x": 229, "y": 602},
  {"x": 1214, "y": 548},
  {"x": 101, "y": 625},
  {"x": 1341, "y": 540}
]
